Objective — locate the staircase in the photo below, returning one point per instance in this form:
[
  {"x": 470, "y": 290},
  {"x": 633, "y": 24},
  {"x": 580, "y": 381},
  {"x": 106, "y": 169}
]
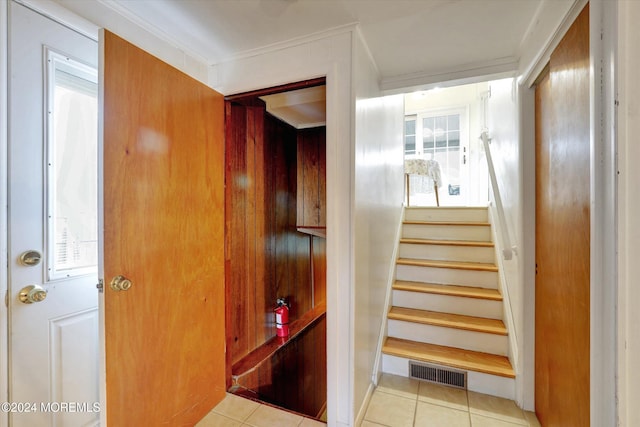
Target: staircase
[{"x": 446, "y": 306}]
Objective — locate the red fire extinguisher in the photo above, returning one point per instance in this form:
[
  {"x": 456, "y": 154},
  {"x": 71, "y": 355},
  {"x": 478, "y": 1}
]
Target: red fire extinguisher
[{"x": 282, "y": 318}]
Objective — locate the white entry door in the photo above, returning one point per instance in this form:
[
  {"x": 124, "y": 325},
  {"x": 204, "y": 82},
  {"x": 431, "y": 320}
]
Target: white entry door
[
  {"x": 53, "y": 250},
  {"x": 440, "y": 135}
]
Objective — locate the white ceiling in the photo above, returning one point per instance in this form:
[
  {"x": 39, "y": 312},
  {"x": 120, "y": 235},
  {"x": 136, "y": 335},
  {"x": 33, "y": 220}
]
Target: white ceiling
[
  {"x": 302, "y": 108},
  {"x": 404, "y": 36}
]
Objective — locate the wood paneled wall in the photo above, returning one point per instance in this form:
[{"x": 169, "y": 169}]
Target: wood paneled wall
[
  {"x": 265, "y": 256},
  {"x": 312, "y": 177},
  {"x": 319, "y": 265}
]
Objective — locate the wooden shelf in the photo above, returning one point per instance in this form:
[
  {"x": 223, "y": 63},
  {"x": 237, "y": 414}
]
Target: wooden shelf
[
  {"x": 252, "y": 360},
  {"x": 314, "y": 231}
]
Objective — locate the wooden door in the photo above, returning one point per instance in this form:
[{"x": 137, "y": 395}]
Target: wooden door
[
  {"x": 562, "y": 233},
  {"x": 163, "y": 151}
]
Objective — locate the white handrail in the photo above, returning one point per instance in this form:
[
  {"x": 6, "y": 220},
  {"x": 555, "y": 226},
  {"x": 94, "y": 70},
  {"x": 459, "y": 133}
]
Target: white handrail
[{"x": 507, "y": 248}]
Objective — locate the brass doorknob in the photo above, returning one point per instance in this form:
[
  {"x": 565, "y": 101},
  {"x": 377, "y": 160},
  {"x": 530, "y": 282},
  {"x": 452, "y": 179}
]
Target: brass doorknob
[
  {"x": 120, "y": 283},
  {"x": 32, "y": 293}
]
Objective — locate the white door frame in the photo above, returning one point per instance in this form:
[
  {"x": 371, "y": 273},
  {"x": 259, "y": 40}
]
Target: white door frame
[
  {"x": 61, "y": 15},
  {"x": 465, "y": 139},
  {"x": 603, "y": 25},
  {"x": 4, "y": 274},
  {"x": 603, "y": 31}
]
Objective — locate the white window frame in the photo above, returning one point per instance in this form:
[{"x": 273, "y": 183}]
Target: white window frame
[
  {"x": 55, "y": 60},
  {"x": 462, "y": 111}
]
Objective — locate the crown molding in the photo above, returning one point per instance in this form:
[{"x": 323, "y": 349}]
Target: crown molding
[
  {"x": 158, "y": 32},
  {"x": 296, "y": 41},
  {"x": 62, "y": 15},
  {"x": 457, "y": 75},
  {"x": 531, "y": 71}
]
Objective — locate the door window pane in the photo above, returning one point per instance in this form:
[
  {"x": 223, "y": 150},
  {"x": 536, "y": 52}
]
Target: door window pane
[
  {"x": 441, "y": 126},
  {"x": 72, "y": 168},
  {"x": 453, "y": 122},
  {"x": 454, "y": 139},
  {"x": 410, "y": 135}
]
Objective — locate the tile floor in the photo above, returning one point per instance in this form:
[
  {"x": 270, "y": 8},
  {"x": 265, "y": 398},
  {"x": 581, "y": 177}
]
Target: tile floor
[
  {"x": 404, "y": 402},
  {"x": 236, "y": 411},
  {"x": 396, "y": 402}
]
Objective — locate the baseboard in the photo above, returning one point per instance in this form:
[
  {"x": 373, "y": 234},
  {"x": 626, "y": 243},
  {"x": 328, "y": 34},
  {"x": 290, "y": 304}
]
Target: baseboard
[
  {"x": 375, "y": 375},
  {"x": 514, "y": 348},
  {"x": 365, "y": 405}
]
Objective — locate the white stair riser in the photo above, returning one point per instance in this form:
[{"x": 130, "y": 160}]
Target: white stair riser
[
  {"x": 448, "y": 304},
  {"x": 395, "y": 365},
  {"x": 447, "y": 276},
  {"x": 450, "y": 337},
  {"x": 492, "y": 385},
  {"x": 446, "y": 214},
  {"x": 474, "y": 233},
  {"x": 447, "y": 252}
]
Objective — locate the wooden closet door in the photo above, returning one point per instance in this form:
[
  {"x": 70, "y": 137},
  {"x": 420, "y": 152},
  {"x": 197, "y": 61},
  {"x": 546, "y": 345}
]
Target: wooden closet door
[
  {"x": 163, "y": 153},
  {"x": 563, "y": 233}
]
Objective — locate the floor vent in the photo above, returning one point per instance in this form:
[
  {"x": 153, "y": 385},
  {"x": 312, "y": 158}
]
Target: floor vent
[{"x": 437, "y": 374}]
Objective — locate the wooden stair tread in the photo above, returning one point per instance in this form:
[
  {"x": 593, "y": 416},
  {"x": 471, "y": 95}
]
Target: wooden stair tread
[
  {"x": 464, "y": 223},
  {"x": 448, "y": 320},
  {"x": 479, "y": 266},
  {"x": 452, "y": 290},
  {"x": 449, "y": 356},
  {"x": 446, "y": 242},
  {"x": 444, "y": 208}
]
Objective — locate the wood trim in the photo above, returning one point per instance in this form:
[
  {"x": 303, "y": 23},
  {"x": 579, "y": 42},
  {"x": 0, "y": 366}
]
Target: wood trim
[
  {"x": 314, "y": 231},
  {"x": 249, "y": 98}
]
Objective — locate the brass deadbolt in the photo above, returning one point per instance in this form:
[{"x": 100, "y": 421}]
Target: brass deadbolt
[{"x": 30, "y": 258}]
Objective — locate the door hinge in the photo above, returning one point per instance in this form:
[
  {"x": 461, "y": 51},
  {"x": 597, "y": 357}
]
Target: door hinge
[{"x": 100, "y": 285}]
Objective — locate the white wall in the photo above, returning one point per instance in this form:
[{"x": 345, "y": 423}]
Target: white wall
[
  {"x": 379, "y": 189},
  {"x": 507, "y": 154},
  {"x": 470, "y": 97},
  {"x": 117, "y": 20},
  {"x": 552, "y": 18},
  {"x": 330, "y": 56},
  {"x": 628, "y": 214}
]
